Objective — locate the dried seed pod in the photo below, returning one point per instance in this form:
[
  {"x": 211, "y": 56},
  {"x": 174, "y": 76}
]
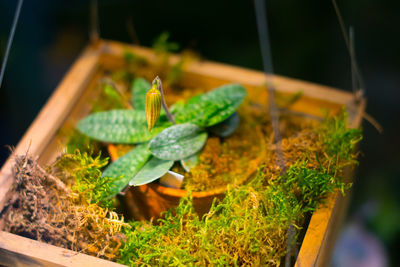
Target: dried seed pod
[{"x": 153, "y": 106}]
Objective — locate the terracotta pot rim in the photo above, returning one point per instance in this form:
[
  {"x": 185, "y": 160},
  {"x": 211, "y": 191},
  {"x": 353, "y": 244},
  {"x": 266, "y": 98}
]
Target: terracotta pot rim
[
  {"x": 182, "y": 192},
  {"x": 174, "y": 192}
]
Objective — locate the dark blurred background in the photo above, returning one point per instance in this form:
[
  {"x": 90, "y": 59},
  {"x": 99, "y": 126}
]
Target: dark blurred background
[{"x": 306, "y": 43}]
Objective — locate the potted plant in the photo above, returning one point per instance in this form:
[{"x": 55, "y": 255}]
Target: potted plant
[{"x": 168, "y": 137}]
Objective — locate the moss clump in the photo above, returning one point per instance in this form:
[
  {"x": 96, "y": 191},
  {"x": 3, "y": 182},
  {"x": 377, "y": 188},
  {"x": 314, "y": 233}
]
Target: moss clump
[
  {"x": 250, "y": 225},
  {"x": 339, "y": 142},
  {"x": 84, "y": 172},
  {"x": 228, "y": 160},
  {"x": 247, "y": 228}
]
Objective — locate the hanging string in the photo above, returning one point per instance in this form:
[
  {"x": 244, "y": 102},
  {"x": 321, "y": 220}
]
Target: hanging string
[
  {"x": 130, "y": 27},
  {"x": 94, "y": 29},
  {"x": 358, "y": 83},
  {"x": 356, "y": 77},
  {"x": 354, "y": 83},
  {"x": 262, "y": 26},
  {"x": 10, "y": 40}
]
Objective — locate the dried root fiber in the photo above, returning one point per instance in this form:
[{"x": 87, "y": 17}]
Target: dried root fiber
[{"x": 45, "y": 209}]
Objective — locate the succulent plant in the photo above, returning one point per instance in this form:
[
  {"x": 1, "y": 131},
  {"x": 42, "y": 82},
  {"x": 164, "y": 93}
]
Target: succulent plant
[{"x": 163, "y": 136}]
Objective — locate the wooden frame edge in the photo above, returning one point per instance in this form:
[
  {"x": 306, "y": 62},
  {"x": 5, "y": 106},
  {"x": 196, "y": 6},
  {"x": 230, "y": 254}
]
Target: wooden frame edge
[
  {"x": 19, "y": 250},
  {"x": 319, "y": 240},
  {"x": 241, "y": 75}
]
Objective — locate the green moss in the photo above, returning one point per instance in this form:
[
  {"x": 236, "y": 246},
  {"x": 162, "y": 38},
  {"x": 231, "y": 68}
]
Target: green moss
[
  {"x": 162, "y": 45},
  {"x": 133, "y": 59},
  {"x": 247, "y": 227},
  {"x": 339, "y": 140},
  {"x": 337, "y": 150},
  {"x": 309, "y": 185}
]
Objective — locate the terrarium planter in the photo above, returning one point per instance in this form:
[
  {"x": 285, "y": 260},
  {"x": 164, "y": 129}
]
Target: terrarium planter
[{"x": 70, "y": 102}]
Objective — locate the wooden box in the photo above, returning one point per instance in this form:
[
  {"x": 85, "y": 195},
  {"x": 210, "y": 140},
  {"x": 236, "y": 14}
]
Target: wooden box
[{"x": 70, "y": 102}]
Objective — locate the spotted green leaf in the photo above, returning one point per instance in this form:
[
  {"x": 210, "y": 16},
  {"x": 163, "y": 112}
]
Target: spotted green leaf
[
  {"x": 178, "y": 142},
  {"x": 213, "y": 107},
  {"x": 120, "y": 126},
  {"x": 176, "y": 108},
  {"x": 152, "y": 170},
  {"x": 126, "y": 167},
  {"x": 227, "y": 127},
  {"x": 140, "y": 86}
]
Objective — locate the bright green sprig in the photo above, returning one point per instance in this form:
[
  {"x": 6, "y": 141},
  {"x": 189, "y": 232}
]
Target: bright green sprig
[{"x": 85, "y": 173}]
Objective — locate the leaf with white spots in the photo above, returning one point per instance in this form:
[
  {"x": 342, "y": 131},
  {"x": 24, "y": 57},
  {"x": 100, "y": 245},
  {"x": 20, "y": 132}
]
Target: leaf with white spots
[
  {"x": 152, "y": 170},
  {"x": 178, "y": 142},
  {"x": 125, "y": 167},
  {"x": 213, "y": 107},
  {"x": 227, "y": 127},
  {"x": 120, "y": 126}
]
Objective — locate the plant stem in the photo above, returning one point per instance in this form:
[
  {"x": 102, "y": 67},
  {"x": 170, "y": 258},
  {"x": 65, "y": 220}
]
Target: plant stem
[{"x": 158, "y": 83}]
